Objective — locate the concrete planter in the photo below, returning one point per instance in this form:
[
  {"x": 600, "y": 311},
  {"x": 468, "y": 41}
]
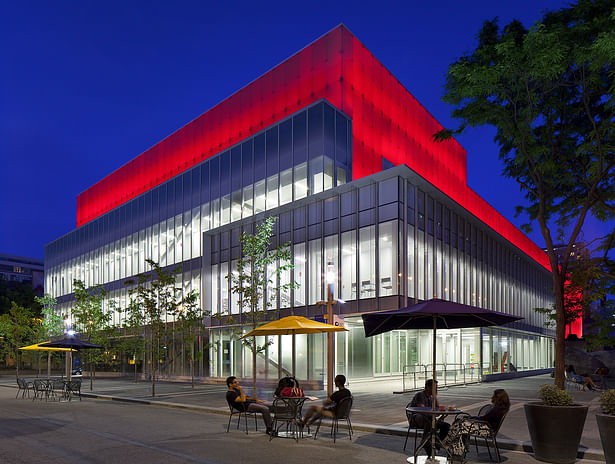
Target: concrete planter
[
  {"x": 606, "y": 425},
  {"x": 555, "y": 431}
]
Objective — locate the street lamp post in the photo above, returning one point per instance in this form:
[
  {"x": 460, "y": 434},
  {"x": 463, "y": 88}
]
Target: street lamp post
[{"x": 330, "y": 278}]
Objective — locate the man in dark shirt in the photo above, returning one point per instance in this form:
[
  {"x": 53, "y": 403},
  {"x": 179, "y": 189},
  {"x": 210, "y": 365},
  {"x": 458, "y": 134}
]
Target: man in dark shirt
[
  {"x": 329, "y": 407},
  {"x": 422, "y": 399},
  {"x": 239, "y": 401}
]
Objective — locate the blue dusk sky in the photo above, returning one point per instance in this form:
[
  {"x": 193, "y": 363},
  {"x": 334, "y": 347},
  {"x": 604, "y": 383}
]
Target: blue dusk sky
[{"x": 87, "y": 86}]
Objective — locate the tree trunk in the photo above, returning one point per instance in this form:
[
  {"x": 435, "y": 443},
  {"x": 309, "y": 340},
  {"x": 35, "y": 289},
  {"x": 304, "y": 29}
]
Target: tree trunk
[
  {"x": 560, "y": 331},
  {"x": 154, "y": 359},
  {"x": 135, "y": 367}
]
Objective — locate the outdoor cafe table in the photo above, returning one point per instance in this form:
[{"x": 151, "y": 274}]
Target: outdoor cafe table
[
  {"x": 428, "y": 413},
  {"x": 299, "y": 401}
]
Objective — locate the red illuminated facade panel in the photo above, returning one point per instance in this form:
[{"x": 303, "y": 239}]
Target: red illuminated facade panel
[{"x": 387, "y": 121}]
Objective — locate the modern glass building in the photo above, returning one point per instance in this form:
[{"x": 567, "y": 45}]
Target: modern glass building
[{"x": 334, "y": 146}]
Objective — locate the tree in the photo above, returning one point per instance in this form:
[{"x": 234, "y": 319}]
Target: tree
[
  {"x": 21, "y": 293},
  {"x": 17, "y": 327},
  {"x": 256, "y": 288},
  {"x": 188, "y": 320},
  {"x": 548, "y": 91},
  {"x": 133, "y": 340},
  {"x": 92, "y": 320},
  {"x": 52, "y": 323},
  {"x": 155, "y": 295}
]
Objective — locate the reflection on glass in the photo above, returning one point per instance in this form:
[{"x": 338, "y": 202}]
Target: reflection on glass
[
  {"x": 259, "y": 196},
  {"x": 247, "y": 201},
  {"x": 286, "y": 186},
  {"x": 387, "y": 258},
  {"x": 367, "y": 262},
  {"x": 331, "y": 262},
  {"x": 349, "y": 266},
  {"x": 236, "y": 205},
  {"x": 272, "y": 192},
  {"x": 299, "y": 274},
  {"x": 328, "y": 173},
  {"x": 315, "y": 266},
  {"x": 301, "y": 184},
  {"x": 225, "y": 210},
  {"x": 341, "y": 176}
]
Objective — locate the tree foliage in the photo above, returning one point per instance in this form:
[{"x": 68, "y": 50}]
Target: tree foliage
[
  {"x": 549, "y": 92},
  {"x": 257, "y": 279},
  {"x": 18, "y": 327},
  {"x": 92, "y": 320},
  {"x": 156, "y": 296}
]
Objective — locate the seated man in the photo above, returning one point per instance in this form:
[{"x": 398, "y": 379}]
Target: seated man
[
  {"x": 584, "y": 380},
  {"x": 328, "y": 409},
  {"x": 239, "y": 401},
  {"x": 422, "y": 399}
]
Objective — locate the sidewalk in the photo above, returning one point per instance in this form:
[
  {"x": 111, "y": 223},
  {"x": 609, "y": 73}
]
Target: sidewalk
[{"x": 376, "y": 408}]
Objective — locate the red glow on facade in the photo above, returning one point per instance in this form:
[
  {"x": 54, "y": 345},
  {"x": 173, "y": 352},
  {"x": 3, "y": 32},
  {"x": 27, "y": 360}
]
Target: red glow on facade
[
  {"x": 573, "y": 298},
  {"x": 387, "y": 121}
]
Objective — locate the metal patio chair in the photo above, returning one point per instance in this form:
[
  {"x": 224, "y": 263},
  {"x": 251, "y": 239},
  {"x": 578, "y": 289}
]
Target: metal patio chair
[
  {"x": 236, "y": 412},
  {"x": 415, "y": 422},
  {"x": 342, "y": 413},
  {"x": 488, "y": 434}
]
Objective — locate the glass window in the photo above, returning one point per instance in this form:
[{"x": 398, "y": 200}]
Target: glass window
[
  {"x": 272, "y": 192},
  {"x": 205, "y": 217},
  {"x": 332, "y": 262},
  {"x": 224, "y": 287},
  {"x": 328, "y": 173},
  {"x": 259, "y": 196},
  {"x": 178, "y": 239},
  {"x": 410, "y": 253},
  {"x": 286, "y": 148},
  {"x": 420, "y": 259},
  {"x": 367, "y": 262},
  {"x": 236, "y": 206},
  {"x": 316, "y": 175},
  {"x": 301, "y": 185},
  {"x": 260, "y": 162},
  {"x": 315, "y": 267},
  {"x": 349, "y": 266},
  {"x": 272, "y": 151},
  {"x": 247, "y": 201},
  {"x": 225, "y": 209},
  {"x": 299, "y": 274},
  {"x": 315, "y": 143},
  {"x": 272, "y": 283},
  {"x": 235, "y": 308},
  {"x": 387, "y": 258},
  {"x": 286, "y": 186},
  {"x": 196, "y": 233},
  {"x": 341, "y": 176},
  {"x": 215, "y": 279},
  {"x": 284, "y": 281},
  {"x": 329, "y": 131},
  {"x": 215, "y": 213}
]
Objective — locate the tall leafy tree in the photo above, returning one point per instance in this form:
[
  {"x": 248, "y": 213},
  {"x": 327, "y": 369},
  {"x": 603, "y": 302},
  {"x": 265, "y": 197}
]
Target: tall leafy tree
[
  {"x": 157, "y": 296},
  {"x": 257, "y": 288},
  {"x": 132, "y": 339},
  {"x": 548, "y": 91},
  {"x": 17, "y": 327},
  {"x": 92, "y": 320},
  {"x": 52, "y": 323},
  {"x": 188, "y": 321}
]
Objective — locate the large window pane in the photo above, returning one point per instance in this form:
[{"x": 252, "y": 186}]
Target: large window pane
[
  {"x": 410, "y": 253},
  {"x": 301, "y": 184},
  {"x": 349, "y": 265},
  {"x": 367, "y": 262},
  {"x": 247, "y": 201},
  {"x": 387, "y": 258},
  {"x": 224, "y": 303},
  {"x": 259, "y": 196},
  {"x": 299, "y": 274},
  {"x": 315, "y": 263},
  {"x": 331, "y": 261},
  {"x": 272, "y": 192},
  {"x": 286, "y": 186}
]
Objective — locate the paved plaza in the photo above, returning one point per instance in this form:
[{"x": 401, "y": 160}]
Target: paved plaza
[{"x": 120, "y": 418}]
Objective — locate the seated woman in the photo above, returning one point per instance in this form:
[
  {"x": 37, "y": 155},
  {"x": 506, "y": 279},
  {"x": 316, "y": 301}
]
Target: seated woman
[
  {"x": 457, "y": 437},
  {"x": 288, "y": 387},
  {"x": 586, "y": 381}
]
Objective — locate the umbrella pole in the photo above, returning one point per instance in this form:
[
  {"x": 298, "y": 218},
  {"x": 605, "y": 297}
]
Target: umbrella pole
[
  {"x": 48, "y": 364},
  {"x": 294, "y": 353}
]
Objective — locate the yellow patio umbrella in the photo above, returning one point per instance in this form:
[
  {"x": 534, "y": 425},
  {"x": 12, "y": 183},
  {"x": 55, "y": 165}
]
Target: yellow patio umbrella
[
  {"x": 292, "y": 325},
  {"x": 37, "y": 347}
]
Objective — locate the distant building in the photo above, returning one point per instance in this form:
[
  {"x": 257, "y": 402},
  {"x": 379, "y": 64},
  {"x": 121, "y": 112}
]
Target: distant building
[
  {"x": 22, "y": 269},
  {"x": 331, "y": 143}
]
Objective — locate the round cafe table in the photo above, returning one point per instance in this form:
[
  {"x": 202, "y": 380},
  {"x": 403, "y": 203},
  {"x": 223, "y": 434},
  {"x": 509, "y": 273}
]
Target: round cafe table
[{"x": 431, "y": 434}]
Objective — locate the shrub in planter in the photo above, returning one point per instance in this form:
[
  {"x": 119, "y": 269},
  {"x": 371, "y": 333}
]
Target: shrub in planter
[
  {"x": 552, "y": 442},
  {"x": 606, "y": 425}
]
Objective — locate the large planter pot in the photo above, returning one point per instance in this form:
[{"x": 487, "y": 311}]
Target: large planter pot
[
  {"x": 555, "y": 431},
  {"x": 606, "y": 425}
]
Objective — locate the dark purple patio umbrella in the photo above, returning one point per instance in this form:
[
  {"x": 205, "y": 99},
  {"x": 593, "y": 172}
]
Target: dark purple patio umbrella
[
  {"x": 433, "y": 314},
  {"x": 70, "y": 341}
]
